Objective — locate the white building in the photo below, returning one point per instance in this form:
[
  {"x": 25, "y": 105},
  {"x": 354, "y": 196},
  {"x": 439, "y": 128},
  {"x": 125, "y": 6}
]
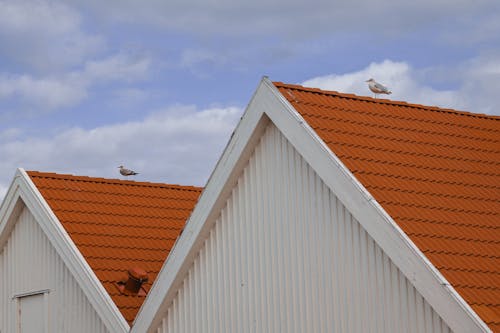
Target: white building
[
  {"x": 67, "y": 242},
  {"x": 335, "y": 213},
  {"x": 327, "y": 212}
]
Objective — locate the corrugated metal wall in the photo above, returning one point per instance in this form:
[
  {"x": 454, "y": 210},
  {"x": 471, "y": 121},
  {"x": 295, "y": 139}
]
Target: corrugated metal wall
[
  {"x": 286, "y": 256},
  {"x": 29, "y": 263}
]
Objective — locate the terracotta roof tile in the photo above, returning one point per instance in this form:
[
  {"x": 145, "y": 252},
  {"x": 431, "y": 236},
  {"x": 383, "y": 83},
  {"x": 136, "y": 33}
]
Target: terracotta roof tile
[
  {"x": 119, "y": 224},
  {"x": 435, "y": 171}
]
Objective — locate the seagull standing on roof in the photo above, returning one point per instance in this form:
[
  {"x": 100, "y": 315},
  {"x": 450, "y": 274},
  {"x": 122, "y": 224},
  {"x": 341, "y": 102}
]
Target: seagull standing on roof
[
  {"x": 378, "y": 88},
  {"x": 127, "y": 172}
]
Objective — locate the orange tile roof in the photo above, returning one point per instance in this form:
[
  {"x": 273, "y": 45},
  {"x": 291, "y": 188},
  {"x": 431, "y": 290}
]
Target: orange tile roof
[
  {"x": 119, "y": 224},
  {"x": 435, "y": 171}
]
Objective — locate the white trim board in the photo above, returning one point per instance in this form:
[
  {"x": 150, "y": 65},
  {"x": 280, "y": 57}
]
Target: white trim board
[
  {"x": 269, "y": 105},
  {"x": 225, "y": 174},
  {"x": 23, "y": 192}
]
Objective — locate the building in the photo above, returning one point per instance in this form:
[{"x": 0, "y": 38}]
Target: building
[
  {"x": 327, "y": 212},
  {"x": 68, "y": 242},
  {"x": 330, "y": 212}
]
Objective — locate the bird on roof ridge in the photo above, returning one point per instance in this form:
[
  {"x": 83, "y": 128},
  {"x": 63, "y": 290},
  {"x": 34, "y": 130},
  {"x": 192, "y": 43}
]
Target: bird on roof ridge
[
  {"x": 127, "y": 172},
  {"x": 377, "y": 88}
]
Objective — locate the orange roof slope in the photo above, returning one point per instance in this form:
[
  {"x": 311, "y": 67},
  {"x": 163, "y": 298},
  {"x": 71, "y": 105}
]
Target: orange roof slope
[
  {"x": 119, "y": 224},
  {"x": 435, "y": 171}
]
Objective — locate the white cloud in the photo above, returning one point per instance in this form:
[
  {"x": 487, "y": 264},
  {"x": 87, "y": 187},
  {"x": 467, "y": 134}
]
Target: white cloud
[
  {"x": 293, "y": 18},
  {"x": 48, "y": 93},
  {"x": 120, "y": 67},
  {"x": 45, "y": 35},
  {"x": 200, "y": 59},
  {"x": 124, "y": 98},
  {"x": 180, "y": 144},
  {"x": 10, "y": 133},
  {"x": 65, "y": 90},
  {"x": 190, "y": 57},
  {"x": 476, "y": 80}
]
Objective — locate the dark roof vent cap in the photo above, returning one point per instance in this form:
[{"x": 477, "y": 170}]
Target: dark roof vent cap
[{"x": 133, "y": 285}]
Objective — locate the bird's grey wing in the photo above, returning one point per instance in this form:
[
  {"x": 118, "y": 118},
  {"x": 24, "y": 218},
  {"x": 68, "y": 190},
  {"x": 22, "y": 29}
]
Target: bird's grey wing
[
  {"x": 381, "y": 87},
  {"x": 127, "y": 172}
]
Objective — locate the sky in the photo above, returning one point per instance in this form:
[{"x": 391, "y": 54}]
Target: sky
[{"x": 158, "y": 86}]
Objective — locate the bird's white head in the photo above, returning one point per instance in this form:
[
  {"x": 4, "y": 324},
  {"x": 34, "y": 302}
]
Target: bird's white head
[
  {"x": 120, "y": 167},
  {"x": 370, "y": 80}
]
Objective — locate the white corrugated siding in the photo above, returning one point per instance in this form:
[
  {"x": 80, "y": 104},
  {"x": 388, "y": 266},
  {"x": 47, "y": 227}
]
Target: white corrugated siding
[
  {"x": 286, "y": 256},
  {"x": 28, "y": 263}
]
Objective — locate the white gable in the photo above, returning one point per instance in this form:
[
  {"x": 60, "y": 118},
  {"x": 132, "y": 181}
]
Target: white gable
[
  {"x": 31, "y": 268},
  {"x": 269, "y": 106},
  {"x": 53, "y": 253},
  {"x": 285, "y": 255}
]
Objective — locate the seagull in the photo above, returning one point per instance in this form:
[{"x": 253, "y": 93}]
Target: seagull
[
  {"x": 127, "y": 172},
  {"x": 378, "y": 88}
]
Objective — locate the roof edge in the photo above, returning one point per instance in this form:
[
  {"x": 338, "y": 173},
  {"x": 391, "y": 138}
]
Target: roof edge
[
  {"x": 385, "y": 101},
  {"x": 69, "y": 253},
  {"x": 223, "y": 177},
  {"x": 10, "y": 208},
  {"x": 370, "y": 200},
  {"x": 111, "y": 181}
]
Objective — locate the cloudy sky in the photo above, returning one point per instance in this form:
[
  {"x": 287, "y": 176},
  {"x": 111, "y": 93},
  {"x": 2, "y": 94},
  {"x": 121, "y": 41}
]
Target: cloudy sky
[{"x": 159, "y": 85}]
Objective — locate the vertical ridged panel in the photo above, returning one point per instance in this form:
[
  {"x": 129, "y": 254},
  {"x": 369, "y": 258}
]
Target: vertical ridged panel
[
  {"x": 29, "y": 263},
  {"x": 285, "y": 255}
]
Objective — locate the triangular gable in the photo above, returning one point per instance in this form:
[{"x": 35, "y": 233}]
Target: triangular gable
[
  {"x": 435, "y": 171},
  {"x": 22, "y": 193},
  {"x": 268, "y": 104}
]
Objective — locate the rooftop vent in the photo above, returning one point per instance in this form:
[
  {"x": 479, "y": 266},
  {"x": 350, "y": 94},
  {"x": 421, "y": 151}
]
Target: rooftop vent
[{"x": 133, "y": 285}]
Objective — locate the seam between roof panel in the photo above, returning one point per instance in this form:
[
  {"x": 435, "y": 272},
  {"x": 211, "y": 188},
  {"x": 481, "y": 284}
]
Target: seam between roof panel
[
  {"x": 381, "y": 174},
  {"x": 403, "y": 129},
  {"x": 386, "y": 116},
  {"x": 445, "y": 268},
  {"x": 416, "y": 154},
  {"x": 413, "y": 142},
  {"x": 137, "y": 226},
  {"x": 432, "y": 194},
  {"x": 115, "y": 194},
  {"x": 462, "y": 254},
  {"x": 446, "y": 209},
  {"x": 420, "y": 167},
  {"x": 405, "y": 220},
  {"x": 464, "y": 239},
  {"x": 113, "y": 204},
  {"x": 114, "y": 214},
  {"x": 114, "y": 235}
]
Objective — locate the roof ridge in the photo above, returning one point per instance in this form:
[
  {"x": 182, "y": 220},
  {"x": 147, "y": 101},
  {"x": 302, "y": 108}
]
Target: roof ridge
[
  {"x": 385, "y": 101},
  {"x": 53, "y": 175}
]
